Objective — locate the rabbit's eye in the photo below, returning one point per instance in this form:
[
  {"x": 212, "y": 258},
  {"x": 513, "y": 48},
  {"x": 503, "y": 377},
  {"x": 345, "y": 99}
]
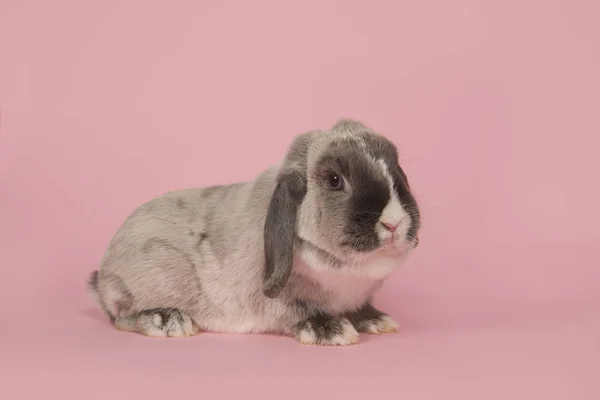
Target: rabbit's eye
[{"x": 335, "y": 182}]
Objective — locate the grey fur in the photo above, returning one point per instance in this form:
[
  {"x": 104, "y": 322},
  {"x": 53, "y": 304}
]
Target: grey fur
[
  {"x": 324, "y": 256},
  {"x": 280, "y": 231},
  {"x": 364, "y": 316},
  {"x": 229, "y": 258}
]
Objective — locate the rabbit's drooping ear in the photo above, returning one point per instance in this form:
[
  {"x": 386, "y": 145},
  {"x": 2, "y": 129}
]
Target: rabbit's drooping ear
[{"x": 280, "y": 223}]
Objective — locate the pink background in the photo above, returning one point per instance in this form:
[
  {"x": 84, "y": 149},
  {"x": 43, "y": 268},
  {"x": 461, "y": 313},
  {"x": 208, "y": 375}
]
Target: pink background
[{"x": 494, "y": 105}]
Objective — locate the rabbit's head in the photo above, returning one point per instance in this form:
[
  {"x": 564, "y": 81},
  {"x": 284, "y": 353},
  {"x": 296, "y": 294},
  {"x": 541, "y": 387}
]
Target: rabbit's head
[{"x": 344, "y": 192}]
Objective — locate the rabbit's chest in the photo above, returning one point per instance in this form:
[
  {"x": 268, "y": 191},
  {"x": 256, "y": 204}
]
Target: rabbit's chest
[{"x": 344, "y": 287}]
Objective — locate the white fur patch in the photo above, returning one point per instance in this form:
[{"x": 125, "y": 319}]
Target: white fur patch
[
  {"x": 307, "y": 336},
  {"x": 248, "y": 324},
  {"x": 347, "y": 337},
  {"x": 393, "y": 213},
  {"x": 153, "y": 331},
  {"x": 349, "y": 285},
  {"x": 385, "y": 324},
  {"x": 156, "y": 326}
]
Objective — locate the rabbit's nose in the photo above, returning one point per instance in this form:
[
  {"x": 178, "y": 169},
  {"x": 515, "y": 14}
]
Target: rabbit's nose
[{"x": 390, "y": 226}]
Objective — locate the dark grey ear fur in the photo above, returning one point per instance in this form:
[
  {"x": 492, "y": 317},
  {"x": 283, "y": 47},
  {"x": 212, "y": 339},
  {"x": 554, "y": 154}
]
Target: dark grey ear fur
[{"x": 280, "y": 222}]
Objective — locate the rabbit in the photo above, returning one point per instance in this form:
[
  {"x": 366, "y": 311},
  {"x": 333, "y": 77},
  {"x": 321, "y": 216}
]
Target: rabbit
[{"x": 299, "y": 251}]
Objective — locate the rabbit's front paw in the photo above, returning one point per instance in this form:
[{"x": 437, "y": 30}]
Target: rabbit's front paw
[
  {"x": 368, "y": 319},
  {"x": 381, "y": 324},
  {"x": 326, "y": 330}
]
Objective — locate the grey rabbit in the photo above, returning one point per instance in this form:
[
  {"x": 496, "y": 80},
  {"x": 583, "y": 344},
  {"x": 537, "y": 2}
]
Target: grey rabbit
[{"x": 298, "y": 251}]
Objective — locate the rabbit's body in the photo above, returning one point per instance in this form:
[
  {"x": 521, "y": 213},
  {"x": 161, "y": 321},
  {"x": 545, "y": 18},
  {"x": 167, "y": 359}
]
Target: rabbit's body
[{"x": 197, "y": 260}]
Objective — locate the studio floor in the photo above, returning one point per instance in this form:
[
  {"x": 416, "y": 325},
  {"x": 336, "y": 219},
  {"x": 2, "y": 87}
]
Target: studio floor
[{"x": 70, "y": 351}]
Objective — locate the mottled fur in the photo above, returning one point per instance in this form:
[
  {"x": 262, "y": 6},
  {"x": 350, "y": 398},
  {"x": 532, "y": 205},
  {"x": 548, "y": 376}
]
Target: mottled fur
[{"x": 283, "y": 253}]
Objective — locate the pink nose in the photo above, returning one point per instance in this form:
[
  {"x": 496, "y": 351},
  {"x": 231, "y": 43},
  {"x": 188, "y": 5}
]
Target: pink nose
[{"x": 389, "y": 226}]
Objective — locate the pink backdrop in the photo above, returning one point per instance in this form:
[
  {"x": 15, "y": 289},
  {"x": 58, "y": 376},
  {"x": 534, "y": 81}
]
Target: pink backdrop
[{"x": 494, "y": 105}]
